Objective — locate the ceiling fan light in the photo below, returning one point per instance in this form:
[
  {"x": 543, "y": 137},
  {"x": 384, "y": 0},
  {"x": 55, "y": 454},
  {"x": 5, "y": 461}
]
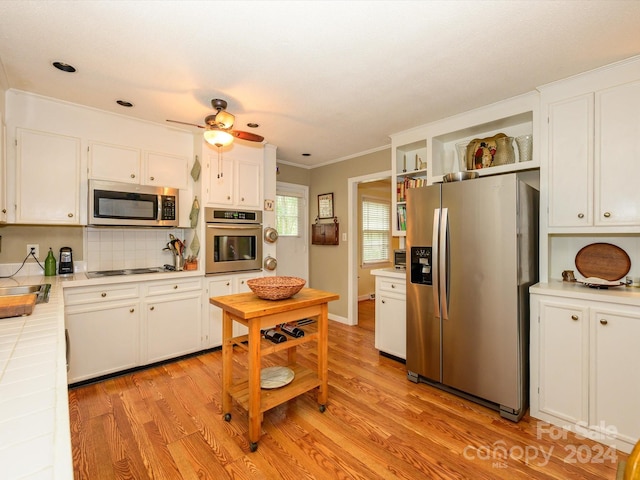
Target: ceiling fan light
[
  {"x": 217, "y": 137},
  {"x": 224, "y": 119}
]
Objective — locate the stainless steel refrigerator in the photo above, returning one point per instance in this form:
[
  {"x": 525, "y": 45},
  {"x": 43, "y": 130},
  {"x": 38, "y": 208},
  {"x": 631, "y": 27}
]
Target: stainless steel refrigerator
[{"x": 472, "y": 253}]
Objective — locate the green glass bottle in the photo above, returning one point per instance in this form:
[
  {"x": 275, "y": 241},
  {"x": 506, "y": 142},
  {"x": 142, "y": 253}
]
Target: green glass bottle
[{"x": 50, "y": 264}]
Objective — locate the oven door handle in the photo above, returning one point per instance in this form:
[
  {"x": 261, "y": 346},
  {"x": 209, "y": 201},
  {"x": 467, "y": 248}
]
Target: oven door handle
[{"x": 226, "y": 226}]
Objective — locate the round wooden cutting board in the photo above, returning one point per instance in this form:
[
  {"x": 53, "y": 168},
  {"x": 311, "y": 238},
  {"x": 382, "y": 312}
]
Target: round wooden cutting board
[{"x": 603, "y": 260}]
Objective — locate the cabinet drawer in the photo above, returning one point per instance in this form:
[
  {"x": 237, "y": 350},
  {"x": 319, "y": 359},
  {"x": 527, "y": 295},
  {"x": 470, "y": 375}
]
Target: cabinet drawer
[
  {"x": 172, "y": 286},
  {"x": 395, "y": 286},
  {"x": 97, "y": 294}
]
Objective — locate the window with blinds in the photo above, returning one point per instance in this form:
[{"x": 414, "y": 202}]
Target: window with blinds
[
  {"x": 288, "y": 215},
  {"x": 376, "y": 230}
]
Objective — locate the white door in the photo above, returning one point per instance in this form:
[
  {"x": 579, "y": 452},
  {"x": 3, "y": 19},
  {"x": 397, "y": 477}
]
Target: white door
[{"x": 292, "y": 220}]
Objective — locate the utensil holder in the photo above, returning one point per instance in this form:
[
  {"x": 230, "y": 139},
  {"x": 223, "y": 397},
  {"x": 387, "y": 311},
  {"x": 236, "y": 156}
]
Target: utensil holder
[{"x": 178, "y": 262}]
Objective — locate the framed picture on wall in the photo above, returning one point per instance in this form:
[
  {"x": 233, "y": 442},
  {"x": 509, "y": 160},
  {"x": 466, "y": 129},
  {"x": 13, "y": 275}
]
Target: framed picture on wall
[{"x": 325, "y": 205}]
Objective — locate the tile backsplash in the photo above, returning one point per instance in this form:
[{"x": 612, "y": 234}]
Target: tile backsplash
[{"x": 117, "y": 248}]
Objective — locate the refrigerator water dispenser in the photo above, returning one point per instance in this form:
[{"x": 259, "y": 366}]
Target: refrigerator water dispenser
[{"x": 421, "y": 265}]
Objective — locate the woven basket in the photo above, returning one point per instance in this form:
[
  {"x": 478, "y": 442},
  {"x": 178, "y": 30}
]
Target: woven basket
[{"x": 276, "y": 288}]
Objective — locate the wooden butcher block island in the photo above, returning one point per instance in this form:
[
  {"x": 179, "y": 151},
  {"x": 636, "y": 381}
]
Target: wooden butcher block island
[{"x": 258, "y": 314}]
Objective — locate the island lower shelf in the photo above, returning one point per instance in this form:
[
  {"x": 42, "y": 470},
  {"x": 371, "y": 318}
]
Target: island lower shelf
[{"x": 303, "y": 381}]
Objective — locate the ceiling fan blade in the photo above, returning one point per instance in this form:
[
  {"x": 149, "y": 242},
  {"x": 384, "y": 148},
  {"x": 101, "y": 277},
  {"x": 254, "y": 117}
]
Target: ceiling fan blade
[
  {"x": 252, "y": 137},
  {"x": 185, "y": 123}
]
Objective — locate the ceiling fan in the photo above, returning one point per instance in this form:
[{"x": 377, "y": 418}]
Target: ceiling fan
[{"x": 217, "y": 130}]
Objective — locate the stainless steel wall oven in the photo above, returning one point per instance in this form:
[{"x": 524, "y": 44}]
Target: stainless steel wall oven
[{"x": 233, "y": 240}]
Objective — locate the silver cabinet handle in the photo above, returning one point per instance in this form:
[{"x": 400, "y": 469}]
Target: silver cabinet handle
[
  {"x": 574, "y": 317},
  {"x": 151, "y": 178},
  {"x": 603, "y": 321},
  {"x": 175, "y": 287},
  {"x": 581, "y": 215},
  {"x": 70, "y": 215},
  {"x": 393, "y": 286},
  {"x": 131, "y": 310},
  {"x": 152, "y": 308},
  {"x": 607, "y": 214},
  {"x": 133, "y": 175},
  {"x": 383, "y": 301},
  {"x": 103, "y": 294}
]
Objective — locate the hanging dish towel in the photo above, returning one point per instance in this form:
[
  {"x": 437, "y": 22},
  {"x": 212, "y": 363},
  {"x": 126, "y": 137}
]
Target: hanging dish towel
[{"x": 195, "y": 211}]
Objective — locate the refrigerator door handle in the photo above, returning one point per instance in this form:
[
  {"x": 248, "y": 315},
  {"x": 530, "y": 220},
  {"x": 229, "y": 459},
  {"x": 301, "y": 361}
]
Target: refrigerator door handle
[
  {"x": 434, "y": 263},
  {"x": 442, "y": 260}
]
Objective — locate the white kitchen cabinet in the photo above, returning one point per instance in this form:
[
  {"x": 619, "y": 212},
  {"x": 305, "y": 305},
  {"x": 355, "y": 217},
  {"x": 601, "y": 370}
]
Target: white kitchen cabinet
[
  {"x": 571, "y": 162},
  {"x": 614, "y": 365},
  {"x": 114, "y": 327},
  {"x": 594, "y": 159},
  {"x": 617, "y": 166},
  {"x": 240, "y": 286},
  {"x": 119, "y": 163},
  {"x": 584, "y": 359},
  {"x": 48, "y": 167},
  {"x": 171, "y": 320},
  {"x": 114, "y": 163},
  {"x": 219, "y": 285},
  {"x": 164, "y": 170},
  {"x": 390, "y": 316},
  {"x": 563, "y": 360},
  {"x": 103, "y": 324},
  {"x": 233, "y": 181}
]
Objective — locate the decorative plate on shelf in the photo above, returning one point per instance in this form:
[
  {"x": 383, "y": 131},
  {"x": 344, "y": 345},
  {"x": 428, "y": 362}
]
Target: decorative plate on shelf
[
  {"x": 604, "y": 261},
  {"x": 275, "y": 377}
]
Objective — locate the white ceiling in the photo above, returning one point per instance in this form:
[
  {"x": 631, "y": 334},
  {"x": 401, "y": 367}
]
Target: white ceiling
[{"x": 330, "y": 78}]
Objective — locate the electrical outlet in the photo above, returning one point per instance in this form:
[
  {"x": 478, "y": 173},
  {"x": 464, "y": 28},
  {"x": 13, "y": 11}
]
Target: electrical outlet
[{"x": 35, "y": 247}]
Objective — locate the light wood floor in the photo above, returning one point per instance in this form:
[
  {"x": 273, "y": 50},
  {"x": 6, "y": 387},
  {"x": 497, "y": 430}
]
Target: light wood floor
[{"x": 166, "y": 423}]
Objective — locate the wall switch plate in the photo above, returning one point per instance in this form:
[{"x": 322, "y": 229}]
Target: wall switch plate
[{"x": 268, "y": 205}]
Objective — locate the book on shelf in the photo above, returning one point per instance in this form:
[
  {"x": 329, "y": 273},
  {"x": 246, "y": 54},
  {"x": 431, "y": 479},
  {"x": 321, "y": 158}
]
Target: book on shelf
[
  {"x": 408, "y": 182},
  {"x": 402, "y": 217}
]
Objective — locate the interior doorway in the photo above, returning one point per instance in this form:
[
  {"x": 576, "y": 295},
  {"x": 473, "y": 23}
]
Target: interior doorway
[
  {"x": 354, "y": 239},
  {"x": 292, "y": 220}
]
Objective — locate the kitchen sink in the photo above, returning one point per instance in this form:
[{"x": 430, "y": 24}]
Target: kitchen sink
[
  {"x": 127, "y": 271},
  {"x": 41, "y": 290}
]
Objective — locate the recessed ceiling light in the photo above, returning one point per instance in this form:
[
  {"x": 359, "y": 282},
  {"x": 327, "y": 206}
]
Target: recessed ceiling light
[
  {"x": 306, "y": 154},
  {"x": 124, "y": 103},
  {"x": 65, "y": 67},
  {"x": 253, "y": 125}
]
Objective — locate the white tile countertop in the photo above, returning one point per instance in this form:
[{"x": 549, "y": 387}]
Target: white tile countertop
[{"x": 35, "y": 440}]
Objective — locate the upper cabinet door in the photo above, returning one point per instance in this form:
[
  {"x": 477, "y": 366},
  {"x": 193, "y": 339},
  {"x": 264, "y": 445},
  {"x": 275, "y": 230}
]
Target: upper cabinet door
[
  {"x": 249, "y": 183},
  {"x": 220, "y": 184},
  {"x": 164, "y": 170},
  {"x": 571, "y": 162},
  {"x": 618, "y": 155},
  {"x": 114, "y": 162},
  {"x": 48, "y": 178}
]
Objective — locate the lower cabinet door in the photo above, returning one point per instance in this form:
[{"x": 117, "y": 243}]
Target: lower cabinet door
[
  {"x": 102, "y": 341},
  {"x": 616, "y": 374},
  {"x": 172, "y": 326},
  {"x": 563, "y": 365},
  {"x": 392, "y": 325}
]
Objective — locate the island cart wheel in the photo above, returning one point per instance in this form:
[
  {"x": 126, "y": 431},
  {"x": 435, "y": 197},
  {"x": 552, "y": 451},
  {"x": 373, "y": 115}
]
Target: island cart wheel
[
  {"x": 227, "y": 417},
  {"x": 253, "y": 446},
  {"x": 322, "y": 408}
]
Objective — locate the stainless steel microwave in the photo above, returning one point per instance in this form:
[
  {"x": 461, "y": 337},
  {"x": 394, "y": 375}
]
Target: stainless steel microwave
[{"x": 128, "y": 204}]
